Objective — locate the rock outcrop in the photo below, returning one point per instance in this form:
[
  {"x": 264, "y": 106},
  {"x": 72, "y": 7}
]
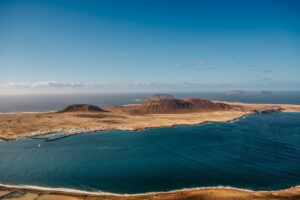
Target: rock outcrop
[
  {"x": 179, "y": 106},
  {"x": 81, "y": 108},
  {"x": 272, "y": 109}
]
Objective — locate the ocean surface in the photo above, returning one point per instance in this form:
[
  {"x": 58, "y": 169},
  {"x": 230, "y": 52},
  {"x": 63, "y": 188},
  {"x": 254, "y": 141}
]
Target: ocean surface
[
  {"x": 53, "y": 102},
  {"x": 259, "y": 152}
]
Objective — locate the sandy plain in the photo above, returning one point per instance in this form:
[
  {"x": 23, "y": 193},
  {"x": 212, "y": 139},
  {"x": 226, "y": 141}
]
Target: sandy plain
[{"x": 25, "y": 125}]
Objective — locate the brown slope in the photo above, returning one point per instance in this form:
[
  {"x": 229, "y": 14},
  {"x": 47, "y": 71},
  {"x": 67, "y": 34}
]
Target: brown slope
[
  {"x": 206, "y": 105},
  {"x": 179, "y": 106},
  {"x": 81, "y": 108}
]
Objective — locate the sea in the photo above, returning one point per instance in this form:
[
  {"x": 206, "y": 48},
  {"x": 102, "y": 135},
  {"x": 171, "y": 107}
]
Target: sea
[
  {"x": 258, "y": 152},
  {"x": 53, "y": 102}
]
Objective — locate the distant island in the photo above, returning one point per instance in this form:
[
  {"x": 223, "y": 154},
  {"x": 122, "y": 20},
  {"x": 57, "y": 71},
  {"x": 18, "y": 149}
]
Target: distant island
[
  {"x": 231, "y": 92},
  {"x": 165, "y": 112},
  {"x": 241, "y": 92}
]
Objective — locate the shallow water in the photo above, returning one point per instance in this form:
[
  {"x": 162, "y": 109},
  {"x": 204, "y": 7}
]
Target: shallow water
[{"x": 259, "y": 152}]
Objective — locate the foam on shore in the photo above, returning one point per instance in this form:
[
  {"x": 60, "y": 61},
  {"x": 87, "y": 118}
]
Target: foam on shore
[{"x": 102, "y": 193}]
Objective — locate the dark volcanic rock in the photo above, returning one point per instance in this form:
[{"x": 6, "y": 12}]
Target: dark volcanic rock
[
  {"x": 162, "y": 96},
  {"x": 82, "y": 108},
  {"x": 274, "y": 109},
  {"x": 179, "y": 106},
  {"x": 166, "y": 105},
  {"x": 203, "y": 104}
]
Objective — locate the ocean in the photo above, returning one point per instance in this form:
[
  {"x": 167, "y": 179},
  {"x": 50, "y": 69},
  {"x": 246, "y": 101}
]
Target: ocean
[
  {"x": 53, "y": 102},
  {"x": 258, "y": 152}
]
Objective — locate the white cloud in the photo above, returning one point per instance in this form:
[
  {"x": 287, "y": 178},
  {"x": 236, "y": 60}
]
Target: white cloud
[
  {"x": 42, "y": 84},
  {"x": 15, "y": 84},
  {"x": 55, "y": 87}
]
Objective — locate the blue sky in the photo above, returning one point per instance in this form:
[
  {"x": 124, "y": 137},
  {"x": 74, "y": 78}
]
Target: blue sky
[{"x": 113, "y": 46}]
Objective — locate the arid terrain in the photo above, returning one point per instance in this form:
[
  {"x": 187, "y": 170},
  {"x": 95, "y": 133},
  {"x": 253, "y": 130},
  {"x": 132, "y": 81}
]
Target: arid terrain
[{"x": 152, "y": 114}]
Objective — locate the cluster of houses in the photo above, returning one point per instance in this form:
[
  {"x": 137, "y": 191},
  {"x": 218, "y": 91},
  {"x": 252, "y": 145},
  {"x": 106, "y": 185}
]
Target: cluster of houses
[{"x": 71, "y": 131}]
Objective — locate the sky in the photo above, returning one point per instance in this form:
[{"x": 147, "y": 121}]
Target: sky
[{"x": 133, "y": 46}]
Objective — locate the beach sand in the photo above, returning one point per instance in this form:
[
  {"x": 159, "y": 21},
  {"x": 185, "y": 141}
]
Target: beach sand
[{"x": 201, "y": 194}]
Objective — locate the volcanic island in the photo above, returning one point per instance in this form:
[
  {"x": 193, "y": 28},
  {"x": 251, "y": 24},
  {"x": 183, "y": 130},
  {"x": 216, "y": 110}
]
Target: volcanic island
[
  {"x": 154, "y": 113},
  {"x": 161, "y": 111}
]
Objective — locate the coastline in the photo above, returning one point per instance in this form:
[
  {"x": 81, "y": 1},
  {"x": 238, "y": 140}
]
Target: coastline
[
  {"x": 170, "y": 120},
  {"x": 101, "y": 129},
  {"x": 29, "y": 125},
  {"x": 217, "y": 192}
]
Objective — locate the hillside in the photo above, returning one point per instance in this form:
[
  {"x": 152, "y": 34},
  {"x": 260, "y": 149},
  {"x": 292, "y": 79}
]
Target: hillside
[
  {"x": 81, "y": 108},
  {"x": 179, "y": 106}
]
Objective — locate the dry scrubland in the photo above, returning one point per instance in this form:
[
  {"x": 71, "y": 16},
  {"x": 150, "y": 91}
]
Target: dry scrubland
[{"x": 22, "y": 125}]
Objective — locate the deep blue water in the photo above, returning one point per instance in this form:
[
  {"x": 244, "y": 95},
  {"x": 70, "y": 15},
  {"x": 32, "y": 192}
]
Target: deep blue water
[{"x": 259, "y": 152}]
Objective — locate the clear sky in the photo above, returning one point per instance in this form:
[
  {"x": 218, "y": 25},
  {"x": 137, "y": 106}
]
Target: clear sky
[{"x": 112, "y": 46}]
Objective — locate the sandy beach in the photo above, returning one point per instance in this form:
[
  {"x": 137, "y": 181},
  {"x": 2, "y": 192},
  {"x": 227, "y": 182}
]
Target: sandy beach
[{"x": 203, "y": 194}]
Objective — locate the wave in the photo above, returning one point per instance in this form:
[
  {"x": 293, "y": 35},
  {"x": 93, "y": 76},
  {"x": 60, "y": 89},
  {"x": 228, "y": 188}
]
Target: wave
[
  {"x": 84, "y": 192},
  {"x": 238, "y": 119}
]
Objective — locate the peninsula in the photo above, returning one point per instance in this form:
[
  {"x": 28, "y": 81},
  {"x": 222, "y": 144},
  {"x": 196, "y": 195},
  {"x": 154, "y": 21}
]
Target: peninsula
[{"x": 83, "y": 118}]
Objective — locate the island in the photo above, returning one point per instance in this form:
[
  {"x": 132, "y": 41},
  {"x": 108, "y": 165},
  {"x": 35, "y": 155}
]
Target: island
[
  {"x": 157, "y": 112},
  {"x": 154, "y": 113}
]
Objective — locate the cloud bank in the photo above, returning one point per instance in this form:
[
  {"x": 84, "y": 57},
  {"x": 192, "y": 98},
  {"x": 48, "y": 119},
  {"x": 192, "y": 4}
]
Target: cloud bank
[{"x": 137, "y": 86}]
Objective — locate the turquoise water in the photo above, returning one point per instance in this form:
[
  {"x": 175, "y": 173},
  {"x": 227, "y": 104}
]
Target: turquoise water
[{"x": 259, "y": 152}]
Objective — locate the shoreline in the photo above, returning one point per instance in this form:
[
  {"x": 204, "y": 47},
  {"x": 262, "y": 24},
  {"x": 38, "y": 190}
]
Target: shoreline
[
  {"x": 121, "y": 129},
  {"x": 71, "y": 191},
  {"x": 50, "y": 124},
  {"x": 29, "y": 125},
  {"x": 288, "y": 193}
]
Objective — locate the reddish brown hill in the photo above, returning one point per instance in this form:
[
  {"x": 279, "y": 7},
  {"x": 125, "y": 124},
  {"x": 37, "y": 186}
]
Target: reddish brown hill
[
  {"x": 176, "y": 106},
  {"x": 81, "y": 108},
  {"x": 206, "y": 105}
]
